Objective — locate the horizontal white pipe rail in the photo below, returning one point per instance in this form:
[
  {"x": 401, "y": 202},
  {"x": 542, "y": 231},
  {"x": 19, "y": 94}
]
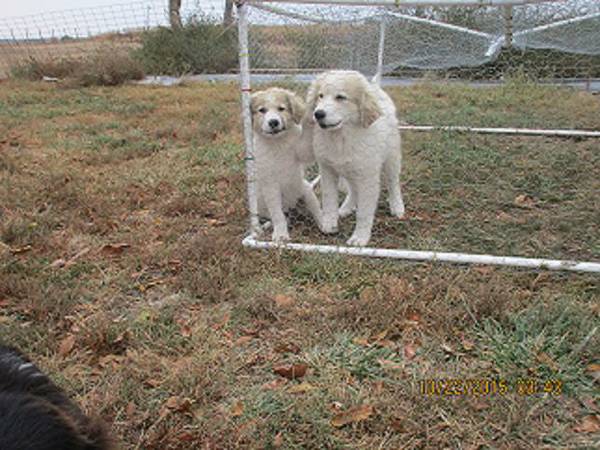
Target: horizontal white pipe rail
[
  {"x": 413, "y": 3},
  {"x": 514, "y": 131},
  {"x": 412, "y": 255}
]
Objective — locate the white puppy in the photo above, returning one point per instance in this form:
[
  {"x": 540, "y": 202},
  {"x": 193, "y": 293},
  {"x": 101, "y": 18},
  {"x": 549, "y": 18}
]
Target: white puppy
[
  {"x": 357, "y": 138},
  {"x": 282, "y": 150}
]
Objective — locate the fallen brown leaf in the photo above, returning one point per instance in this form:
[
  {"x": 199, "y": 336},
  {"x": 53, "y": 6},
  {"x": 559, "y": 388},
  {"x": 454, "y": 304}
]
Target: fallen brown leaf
[
  {"x": 237, "y": 409},
  {"x": 243, "y": 340},
  {"x": 114, "y": 249},
  {"x": 130, "y": 409},
  {"x": 360, "y": 341},
  {"x": 274, "y": 384},
  {"x": 287, "y": 347},
  {"x": 594, "y": 371},
  {"x": 291, "y": 372},
  {"x": 589, "y": 424},
  {"x": 352, "y": 415},
  {"x": 152, "y": 382},
  {"x": 410, "y": 351},
  {"x": 185, "y": 330},
  {"x": 283, "y": 301},
  {"x": 66, "y": 345},
  {"x": 524, "y": 201},
  {"x": 278, "y": 440},
  {"x": 176, "y": 403}
]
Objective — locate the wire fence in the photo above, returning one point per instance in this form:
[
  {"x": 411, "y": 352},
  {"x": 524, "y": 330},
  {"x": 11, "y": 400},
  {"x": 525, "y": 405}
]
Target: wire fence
[
  {"x": 553, "y": 39},
  {"x": 547, "y": 40},
  {"x": 77, "y": 32}
]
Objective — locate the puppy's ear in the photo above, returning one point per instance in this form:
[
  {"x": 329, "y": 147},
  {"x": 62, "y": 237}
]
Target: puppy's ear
[
  {"x": 253, "y": 100},
  {"x": 296, "y": 106},
  {"x": 369, "y": 109}
]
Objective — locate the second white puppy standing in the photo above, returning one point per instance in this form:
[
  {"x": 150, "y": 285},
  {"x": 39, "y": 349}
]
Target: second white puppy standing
[{"x": 357, "y": 138}]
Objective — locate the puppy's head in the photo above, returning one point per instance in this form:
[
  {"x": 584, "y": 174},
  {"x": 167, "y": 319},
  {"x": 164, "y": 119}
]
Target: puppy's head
[
  {"x": 274, "y": 110},
  {"x": 342, "y": 97}
]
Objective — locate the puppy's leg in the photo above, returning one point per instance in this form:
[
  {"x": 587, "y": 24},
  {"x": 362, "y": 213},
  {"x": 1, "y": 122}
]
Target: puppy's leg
[
  {"x": 329, "y": 180},
  {"x": 391, "y": 169},
  {"x": 271, "y": 193},
  {"x": 349, "y": 204},
  {"x": 367, "y": 194},
  {"x": 312, "y": 203}
]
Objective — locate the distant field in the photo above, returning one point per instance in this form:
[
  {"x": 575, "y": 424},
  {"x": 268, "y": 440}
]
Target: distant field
[
  {"x": 122, "y": 274},
  {"x": 12, "y": 54}
]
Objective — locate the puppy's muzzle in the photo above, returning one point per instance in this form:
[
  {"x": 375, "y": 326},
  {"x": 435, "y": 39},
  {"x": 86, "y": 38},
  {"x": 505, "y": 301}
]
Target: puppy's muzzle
[{"x": 320, "y": 116}]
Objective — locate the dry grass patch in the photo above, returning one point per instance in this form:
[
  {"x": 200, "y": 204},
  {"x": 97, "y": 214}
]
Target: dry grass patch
[{"x": 122, "y": 274}]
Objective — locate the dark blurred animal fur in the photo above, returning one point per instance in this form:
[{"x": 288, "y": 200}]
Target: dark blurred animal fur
[{"x": 35, "y": 414}]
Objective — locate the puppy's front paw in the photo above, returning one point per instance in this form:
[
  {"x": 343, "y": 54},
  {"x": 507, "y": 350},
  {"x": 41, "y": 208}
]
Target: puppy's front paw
[
  {"x": 329, "y": 227},
  {"x": 397, "y": 211},
  {"x": 358, "y": 240},
  {"x": 280, "y": 237}
]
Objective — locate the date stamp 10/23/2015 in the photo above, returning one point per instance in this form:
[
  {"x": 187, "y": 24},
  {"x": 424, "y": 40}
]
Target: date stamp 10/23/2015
[{"x": 480, "y": 387}]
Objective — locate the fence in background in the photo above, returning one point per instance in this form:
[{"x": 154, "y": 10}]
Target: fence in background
[
  {"x": 74, "y": 33},
  {"x": 546, "y": 39}
]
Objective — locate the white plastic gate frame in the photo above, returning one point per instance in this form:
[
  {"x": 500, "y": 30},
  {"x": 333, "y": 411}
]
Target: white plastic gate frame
[{"x": 253, "y": 240}]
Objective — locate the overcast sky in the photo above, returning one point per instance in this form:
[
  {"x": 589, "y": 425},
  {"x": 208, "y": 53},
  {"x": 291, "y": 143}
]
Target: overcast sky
[{"x": 12, "y": 8}]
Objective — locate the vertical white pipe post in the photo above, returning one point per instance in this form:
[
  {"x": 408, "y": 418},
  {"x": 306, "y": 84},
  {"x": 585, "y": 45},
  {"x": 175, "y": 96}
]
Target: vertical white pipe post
[
  {"x": 242, "y": 10},
  {"x": 380, "y": 49}
]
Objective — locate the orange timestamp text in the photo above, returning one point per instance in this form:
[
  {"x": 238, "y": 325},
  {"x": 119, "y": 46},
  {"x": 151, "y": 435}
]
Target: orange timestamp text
[{"x": 455, "y": 387}]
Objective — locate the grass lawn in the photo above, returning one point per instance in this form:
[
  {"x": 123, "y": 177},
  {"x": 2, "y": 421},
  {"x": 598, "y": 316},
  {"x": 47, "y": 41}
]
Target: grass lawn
[{"x": 122, "y": 275}]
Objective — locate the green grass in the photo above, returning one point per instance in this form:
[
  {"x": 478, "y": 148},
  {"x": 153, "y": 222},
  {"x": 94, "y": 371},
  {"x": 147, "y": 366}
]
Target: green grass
[{"x": 185, "y": 316}]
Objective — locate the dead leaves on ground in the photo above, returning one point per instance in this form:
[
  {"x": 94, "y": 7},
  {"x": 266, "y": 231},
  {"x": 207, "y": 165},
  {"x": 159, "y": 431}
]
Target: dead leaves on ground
[
  {"x": 524, "y": 201},
  {"x": 352, "y": 415},
  {"x": 283, "y": 301},
  {"x": 589, "y": 424},
  {"x": 66, "y": 345},
  {"x": 292, "y": 371},
  {"x": 237, "y": 409},
  {"x": 114, "y": 249}
]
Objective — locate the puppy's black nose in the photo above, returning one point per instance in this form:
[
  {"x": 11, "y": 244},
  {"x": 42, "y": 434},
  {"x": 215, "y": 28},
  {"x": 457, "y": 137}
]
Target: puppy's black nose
[
  {"x": 319, "y": 114},
  {"x": 273, "y": 123}
]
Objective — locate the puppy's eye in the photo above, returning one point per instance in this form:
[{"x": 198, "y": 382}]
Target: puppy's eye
[
  {"x": 341, "y": 97},
  {"x": 262, "y": 110},
  {"x": 281, "y": 108},
  {"x": 320, "y": 95}
]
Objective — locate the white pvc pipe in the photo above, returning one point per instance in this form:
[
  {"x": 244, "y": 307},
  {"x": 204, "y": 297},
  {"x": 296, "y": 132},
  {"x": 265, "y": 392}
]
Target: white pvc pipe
[
  {"x": 514, "y": 131},
  {"x": 380, "y": 50},
  {"x": 246, "y": 115},
  {"x": 501, "y": 40},
  {"x": 413, "y": 3},
  {"x": 439, "y": 24},
  {"x": 412, "y": 255}
]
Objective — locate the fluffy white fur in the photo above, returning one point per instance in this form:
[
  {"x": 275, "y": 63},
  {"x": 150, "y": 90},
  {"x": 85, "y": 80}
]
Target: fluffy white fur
[
  {"x": 282, "y": 149},
  {"x": 357, "y": 138}
]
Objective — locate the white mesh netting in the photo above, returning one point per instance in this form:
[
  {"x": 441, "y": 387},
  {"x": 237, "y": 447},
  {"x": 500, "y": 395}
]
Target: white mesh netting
[{"x": 427, "y": 38}]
